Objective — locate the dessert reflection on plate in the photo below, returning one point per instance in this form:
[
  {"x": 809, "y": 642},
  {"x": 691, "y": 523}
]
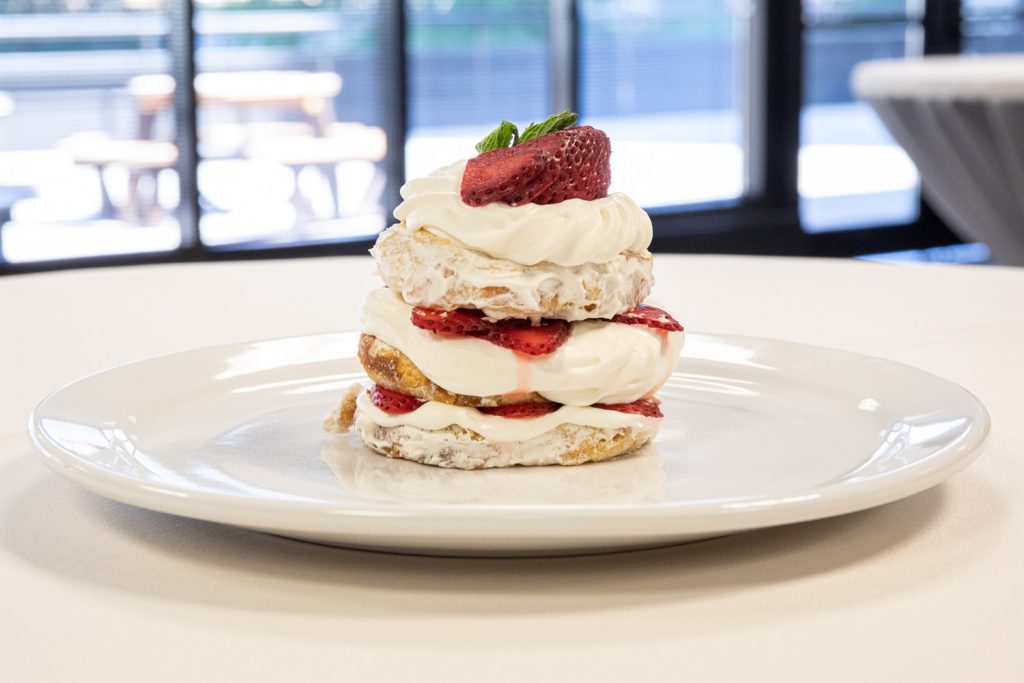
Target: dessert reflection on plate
[{"x": 634, "y": 478}]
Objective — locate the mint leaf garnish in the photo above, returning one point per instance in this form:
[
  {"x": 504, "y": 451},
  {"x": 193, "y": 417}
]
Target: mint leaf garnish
[
  {"x": 548, "y": 125},
  {"x": 505, "y": 134}
]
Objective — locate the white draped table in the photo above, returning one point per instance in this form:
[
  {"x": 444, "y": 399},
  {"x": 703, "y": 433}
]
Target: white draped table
[{"x": 928, "y": 588}]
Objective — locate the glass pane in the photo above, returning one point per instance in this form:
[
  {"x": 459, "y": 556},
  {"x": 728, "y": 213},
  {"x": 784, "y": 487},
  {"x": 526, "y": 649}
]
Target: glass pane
[
  {"x": 994, "y": 35},
  {"x": 851, "y": 172},
  {"x": 993, "y": 26},
  {"x": 76, "y": 177},
  {"x": 291, "y": 107},
  {"x": 472, "y": 63},
  {"x": 975, "y": 8},
  {"x": 663, "y": 79},
  {"x": 829, "y": 11}
]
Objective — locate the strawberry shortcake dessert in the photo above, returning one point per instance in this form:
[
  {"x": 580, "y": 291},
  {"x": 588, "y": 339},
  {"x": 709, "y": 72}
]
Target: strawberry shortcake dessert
[{"x": 512, "y": 330}]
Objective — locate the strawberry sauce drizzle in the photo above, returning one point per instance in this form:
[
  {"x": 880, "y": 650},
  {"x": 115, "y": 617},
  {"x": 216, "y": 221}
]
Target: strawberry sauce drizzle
[{"x": 524, "y": 375}]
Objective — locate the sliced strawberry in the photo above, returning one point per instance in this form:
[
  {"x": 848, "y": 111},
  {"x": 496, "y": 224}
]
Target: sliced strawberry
[
  {"x": 515, "y": 334},
  {"x": 461, "y": 321},
  {"x": 647, "y": 407},
  {"x": 521, "y": 410},
  {"x": 650, "y": 316},
  {"x": 566, "y": 164},
  {"x": 514, "y": 175},
  {"x": 393, "y": 402},
  {"x": 533, "y": 340}
]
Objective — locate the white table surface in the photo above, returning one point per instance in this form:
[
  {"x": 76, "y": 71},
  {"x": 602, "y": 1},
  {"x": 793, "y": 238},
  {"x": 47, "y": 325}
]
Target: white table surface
[{"x": 928, "y": 588}]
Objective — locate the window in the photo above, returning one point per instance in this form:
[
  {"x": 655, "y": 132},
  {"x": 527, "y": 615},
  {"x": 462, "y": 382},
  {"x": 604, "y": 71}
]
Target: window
[
  {"x": 993, "y": 26},
  {"x": 291, "y": 101},
  {"x": 76, "y": 176},
  {"x": 852, "y": 173},
  {"x": 472, "y": 64},
  {"x": 665, "y": 79},
  {"x": 149, "y": 130}
]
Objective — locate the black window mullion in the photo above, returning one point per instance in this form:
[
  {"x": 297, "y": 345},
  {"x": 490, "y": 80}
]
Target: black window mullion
[
  {"x": 564, "y": 46},
  {"x": 941, "y": 22},
  {"x": 782, "y": 73},
  {"x": 183, "y": 69},
  {"x": 394, "y": 56},
  {"x": 752, "y": 98}
]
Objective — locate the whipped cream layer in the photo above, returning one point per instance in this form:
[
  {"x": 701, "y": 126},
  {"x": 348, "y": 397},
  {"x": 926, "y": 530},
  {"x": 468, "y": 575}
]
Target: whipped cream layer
[
  {"x": 601, "y": 362},
  {"x": 433, "y": 416},
  {"x": 568, "y": 233}
]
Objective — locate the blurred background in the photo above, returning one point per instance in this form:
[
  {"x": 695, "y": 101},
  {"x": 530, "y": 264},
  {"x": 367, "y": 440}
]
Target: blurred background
[{"x": 157, "y": 130}]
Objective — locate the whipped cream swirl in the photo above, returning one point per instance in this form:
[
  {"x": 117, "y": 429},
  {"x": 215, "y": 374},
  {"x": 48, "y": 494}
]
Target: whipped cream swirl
[
  {"x": 601, "y": 362},
  {"x": 568, "y": 233}
]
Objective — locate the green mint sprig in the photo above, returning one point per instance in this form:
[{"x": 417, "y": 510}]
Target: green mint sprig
[
  {"x": 507, "y": 134},
  {"x": 549, "y": 125}
]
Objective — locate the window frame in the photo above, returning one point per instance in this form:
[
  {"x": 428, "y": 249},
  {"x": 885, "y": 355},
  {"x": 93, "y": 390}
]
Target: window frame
[{"x": 764, "y": 221}]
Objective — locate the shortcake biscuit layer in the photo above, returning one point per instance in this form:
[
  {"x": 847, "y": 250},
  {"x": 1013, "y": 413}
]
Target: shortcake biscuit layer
[
  {"x": 434, "y": 272},
  {"x": 391, "y": 368},
  {"x": 423, "y": 439}
]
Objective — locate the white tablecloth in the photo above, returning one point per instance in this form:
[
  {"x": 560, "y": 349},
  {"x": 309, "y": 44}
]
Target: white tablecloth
[{"x": 928, "y": 588}]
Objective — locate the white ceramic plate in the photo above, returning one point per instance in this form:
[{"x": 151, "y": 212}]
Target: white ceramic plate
[{"x": 757, "y": 433}]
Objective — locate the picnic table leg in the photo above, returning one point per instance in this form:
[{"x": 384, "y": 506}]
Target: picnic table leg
[
  {"x": 303, "y": 207},
  {"x": 372, "y": 197},
  {"x": 320, "y": 113},
  {"x": 330, "y": 173},
  {"x": 131, "y": 211},
  {"x": 147, "y": 121},
  {"x": 107, "y": 205}
]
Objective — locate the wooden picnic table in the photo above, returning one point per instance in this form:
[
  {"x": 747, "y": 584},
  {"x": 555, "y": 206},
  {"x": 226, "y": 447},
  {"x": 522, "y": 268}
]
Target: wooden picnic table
[{"x": 308, "y": 93}]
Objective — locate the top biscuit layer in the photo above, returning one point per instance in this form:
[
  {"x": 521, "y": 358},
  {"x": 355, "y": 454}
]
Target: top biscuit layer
[{"x": 433, "y": 272}]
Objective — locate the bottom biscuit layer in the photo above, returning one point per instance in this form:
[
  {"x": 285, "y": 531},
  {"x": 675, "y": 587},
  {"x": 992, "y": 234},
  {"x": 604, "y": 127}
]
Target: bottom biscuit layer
[{"x": 460, "y": 448}]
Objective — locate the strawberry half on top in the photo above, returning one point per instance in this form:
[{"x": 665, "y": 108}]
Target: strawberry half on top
[{"x": 566, "y": 164}]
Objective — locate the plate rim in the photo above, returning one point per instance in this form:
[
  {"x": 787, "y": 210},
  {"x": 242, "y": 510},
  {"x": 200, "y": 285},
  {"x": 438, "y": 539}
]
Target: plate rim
[{"x": 681, "y": 515}]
